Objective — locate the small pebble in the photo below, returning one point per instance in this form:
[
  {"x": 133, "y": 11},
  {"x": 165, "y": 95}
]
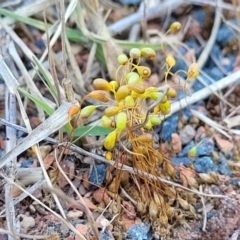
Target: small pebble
[
  {"x": 200, "y": 134},
  {"x": 226, "y": 34},
  {"x": 169, "y": 126},
  {"x": 224, "y": 145},
  {"x": 184, "y": 152},
  {"x": 223, "y": 167},
  {"x": 98, "y": 174},
  {"x": 205, "y": 165},
  {"x": 181, "y": 161},
  {"x": 82, "y": 190},
  {"x": 187, "y": 134},
  {"x": 176, "y": 143},
  {"x": 213, "y": 214},
  {"x": 74, "y": 214},
  {"x": 139, "y": 232},
  {"x": 26, "y": 222},
  {"x": 206, "y": 147}
]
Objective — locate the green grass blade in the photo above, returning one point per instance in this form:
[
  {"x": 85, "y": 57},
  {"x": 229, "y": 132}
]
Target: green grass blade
[
  {"x": 48, "y": 110},
  {"x": 45, "y": 78},
  {"x": 91, "y": 131},
  {"x": 74, "y": 35}
]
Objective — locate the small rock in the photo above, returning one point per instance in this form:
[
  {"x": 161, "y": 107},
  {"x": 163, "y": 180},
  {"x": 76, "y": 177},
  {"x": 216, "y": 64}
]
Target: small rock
[
  {"x": 32, "y": 209},
  {"x": 100, "y": 195},
  {"x": 74, "y": 214},
  {"x": 213, "y": 214},
  {"x": 102, "y": 222},
  {"x": 223, "y": 167},
  {"x": 176, "y": 143},
  {"x": 28, "y": 162},
  {"x": 206, "y": 147},
  {"x": 98, "y": 174},
  {"x": 187, "y": 134},
  {"x": 200, "y": 134},
  {"x": 224, "y": 145},
  {"x": 26, "y": 222},
  {"x": 168, "y": 127},
  {"x": 82, "y": 190},
  {"x": 205, "y": 165},
  {"x": 139, "y": 232},
  {"x": 181, "y": 161},
  {"x": 164, "y": 149},
  {"x": 82, "y": 228},
  {"x": 184, "y": 152},
  {"x": 194, "y": 120},
  {"x": 89, "y": 204}
]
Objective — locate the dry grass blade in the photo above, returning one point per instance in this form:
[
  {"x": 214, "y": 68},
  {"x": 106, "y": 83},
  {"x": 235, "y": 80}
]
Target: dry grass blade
[
  {"x": 3, "y": 231},
  {"x": 7, "y": 75},
  {"x": 110, "y": 48},
  {"x": 10, "y": 112},
  {"x": 159, "y": 10},
  {"x": 88, "y": 212},
  {"x": 206, "y": 52},
  {"x": 69, "y": 225},
  {"x": 205, "y": 92},
  {"x": 211, "y": 123},
  {"x": 232, "y": 122},
  {"x": 30, "y": 9},
  {"x": 57, "y": 120},
  {"x": 57, "y": 33}
]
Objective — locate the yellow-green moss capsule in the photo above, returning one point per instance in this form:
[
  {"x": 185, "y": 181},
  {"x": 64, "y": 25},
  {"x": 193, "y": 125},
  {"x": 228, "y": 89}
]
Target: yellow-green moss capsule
[
  {"x": 100, "y": 95},
  {"x": 193, "y": 71},
  {"x": 155, "y": 120},
  {"x": 148, "y": 53},
  {"x": 172, "y": 92},
  {"x": 136, "y": 87},
  {"x": 135, "y": 53},
  {"x": 72, "y": 111},
  {"x": 175, "y": 26},
  {"x": 121, "y": 121},
  {"x": 110, "y": 140},
  {"x": 112, "y": 111},
  {"x": 137, "y": 95},
  {"x": 144, "y": 138},
  {"x": 156, "y": 109},
  {"x": 150, "y": 90},
  {"x": 143, "y": 71},
  {"x": 165, "y": 99},
  {"x": 122, "y": 92},
  {"x": 129, "y": 102},
  {"x": 132, "y": 77},
  {"x": 155, "y": 95},
  {"x": 107, "y": 122},
  {"x": 114, "y": 85},
  {"x": 165, "y": 107},
  {"x": 87, "y": 111},
  {"x": 171, "y": 62},
  {"x": 192, "y": 153},
  {"x": 122, "y": 59},
  {"x": 101, "y": 84},
  {"x": 109, "y": 156},
  {"x": 148, "y": 125}
]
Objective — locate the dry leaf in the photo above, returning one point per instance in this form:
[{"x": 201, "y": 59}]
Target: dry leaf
[{"x": 48, "y": 160}]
